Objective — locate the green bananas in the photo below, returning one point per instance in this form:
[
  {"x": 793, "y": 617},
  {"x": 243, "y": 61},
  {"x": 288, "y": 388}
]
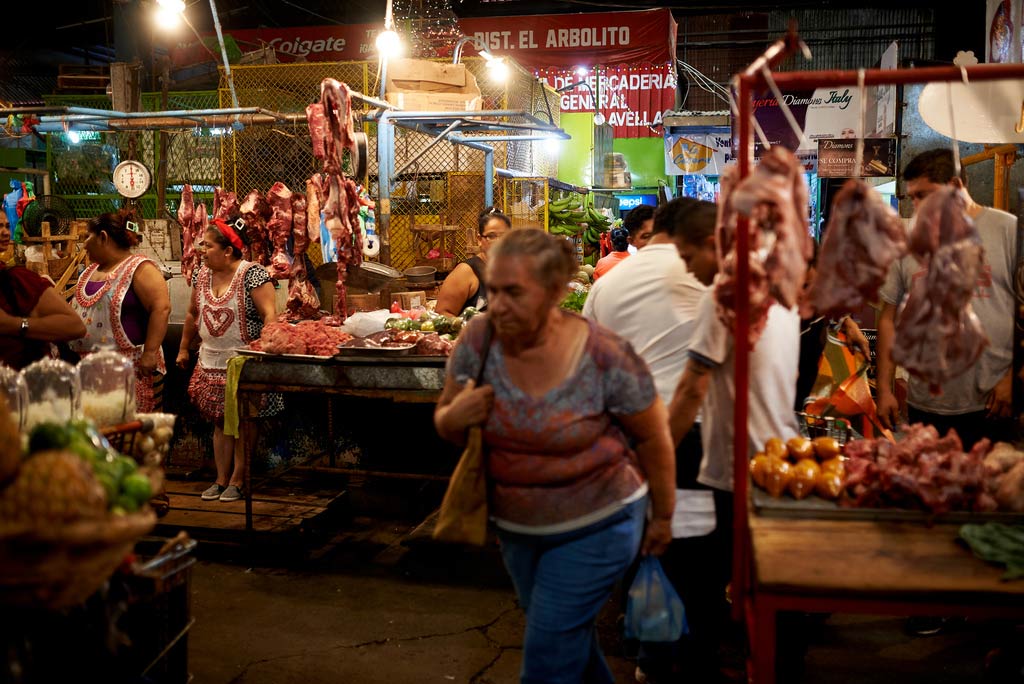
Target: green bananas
[{"x": 571, "y": 217}]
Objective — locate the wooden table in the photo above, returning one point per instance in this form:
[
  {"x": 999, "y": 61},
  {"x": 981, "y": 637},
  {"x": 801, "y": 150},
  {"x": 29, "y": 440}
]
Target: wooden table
[{"x": 876, "y": 568}]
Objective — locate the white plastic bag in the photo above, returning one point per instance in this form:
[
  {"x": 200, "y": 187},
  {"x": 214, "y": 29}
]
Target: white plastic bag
[{"x": 654, "y": 611}]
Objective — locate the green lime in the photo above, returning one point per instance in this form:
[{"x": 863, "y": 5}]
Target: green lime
[
  {"x": 109, "y": 485},
  {"x": 137, "y": 486},
  {"x": 48, "y": 436},
  {"x": 127, "y": 503}
]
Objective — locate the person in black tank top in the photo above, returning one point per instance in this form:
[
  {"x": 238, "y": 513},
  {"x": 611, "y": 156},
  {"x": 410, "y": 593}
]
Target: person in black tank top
[{"x": 465, "y": 285}]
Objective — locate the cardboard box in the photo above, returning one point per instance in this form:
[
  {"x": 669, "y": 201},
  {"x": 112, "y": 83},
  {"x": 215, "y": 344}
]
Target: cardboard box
[
  {"x": 409, "y": 300},
  {"x": 421, "y": 85}
]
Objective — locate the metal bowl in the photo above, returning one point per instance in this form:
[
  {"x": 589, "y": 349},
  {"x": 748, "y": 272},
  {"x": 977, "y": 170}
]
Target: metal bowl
[{"x": 421, "y": 274}]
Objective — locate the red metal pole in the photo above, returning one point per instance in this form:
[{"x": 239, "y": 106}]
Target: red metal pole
[{"x": 807, "y": 80}]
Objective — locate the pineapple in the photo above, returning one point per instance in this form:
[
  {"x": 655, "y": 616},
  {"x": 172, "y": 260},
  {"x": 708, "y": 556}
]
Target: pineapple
[
  {"x": 53, "y": 487},
  {"x": 10, "y": 444}
]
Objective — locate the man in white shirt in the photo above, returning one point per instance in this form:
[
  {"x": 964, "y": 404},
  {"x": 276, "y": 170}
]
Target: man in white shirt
[
  {"x": 978, "y": 403},
  {"x": 651, "y": 300},
  {"x": 640, "y": 224},
  {"x": 707, "y": 388}
]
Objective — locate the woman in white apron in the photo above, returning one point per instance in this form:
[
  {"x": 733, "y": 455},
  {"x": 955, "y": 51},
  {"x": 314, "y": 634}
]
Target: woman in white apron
[
  {"x": 122, "y": 299},
  {"x": 231, "y": 301}
]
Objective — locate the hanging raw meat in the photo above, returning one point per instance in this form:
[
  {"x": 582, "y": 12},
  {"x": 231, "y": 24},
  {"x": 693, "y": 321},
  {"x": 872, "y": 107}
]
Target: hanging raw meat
[
  {"x": 280, "y": 229},
  {"x": 938, "y": 335},
  {"x": 225, "y": 203},
  {"x": 302, "y": 298},
  {"x": 313, "y": 210},
  {"x": 331, "y": 130},
  {"x": 863, "y": 238},
  {"x": 255, "y": 211},
  {"x": 774, "y": 197},
  {"x": 192, "y": 218}
]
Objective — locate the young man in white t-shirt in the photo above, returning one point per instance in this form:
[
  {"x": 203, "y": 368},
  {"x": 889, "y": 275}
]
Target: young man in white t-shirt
[
  {"x": 978, "y": 403},
  {"x": 651, "y": 300},
  {"x": 707, "y": 388}
]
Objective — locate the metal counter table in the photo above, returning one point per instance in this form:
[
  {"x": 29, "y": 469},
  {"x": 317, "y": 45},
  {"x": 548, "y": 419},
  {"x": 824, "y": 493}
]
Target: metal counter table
[{"x": 404, "y": 379}]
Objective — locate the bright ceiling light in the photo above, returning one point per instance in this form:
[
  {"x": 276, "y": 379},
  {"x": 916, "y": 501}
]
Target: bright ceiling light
[
  {"x": 582, "y": 71},
  {"x": 167, "y": 19},
  {"x": 552, "y": 145},
  {"x": 498, "y": 69},
  {"x": 74, "y": 138},
  {"x": 177, "y": 6},
  {"x": 389, "y": 44},
  {"x": 599, "y": 119}
]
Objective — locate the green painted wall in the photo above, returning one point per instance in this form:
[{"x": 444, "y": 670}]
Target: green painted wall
[
  {"x": 574, "y": 157},
  {"x": 645, "y": 159}
]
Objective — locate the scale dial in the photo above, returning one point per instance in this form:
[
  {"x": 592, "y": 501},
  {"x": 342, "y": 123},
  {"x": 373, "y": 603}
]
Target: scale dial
[{"x": 132, "y": 179}]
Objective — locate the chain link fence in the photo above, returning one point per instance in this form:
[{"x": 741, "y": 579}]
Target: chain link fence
[
  {"x": 81, "y": 164},
  {"x": 436, "y": 199}
]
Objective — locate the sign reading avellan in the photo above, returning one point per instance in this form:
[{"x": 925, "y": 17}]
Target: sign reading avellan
[{"x": 837, "y": 158}]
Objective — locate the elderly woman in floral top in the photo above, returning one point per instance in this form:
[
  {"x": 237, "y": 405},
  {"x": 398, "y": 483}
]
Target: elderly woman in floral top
[{"x": 578, "y": 450}]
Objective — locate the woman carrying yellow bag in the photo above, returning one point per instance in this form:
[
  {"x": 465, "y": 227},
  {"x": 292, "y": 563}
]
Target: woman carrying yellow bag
[{"x": 576, "y": 443}]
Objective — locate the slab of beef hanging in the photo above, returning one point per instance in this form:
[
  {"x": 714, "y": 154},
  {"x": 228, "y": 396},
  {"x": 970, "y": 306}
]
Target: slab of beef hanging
[
  {"x": 331, "y": 130},
  {"x": 256, "y": 212},
  {"x": 863, "y": 238},
  {"x": 193, "y": 219},
  {"x": 302, "y": 299},
  {"x": 774, "y": 198},
  {"x": 279, "y": 227},
  {"x": 938, "y": 336},
  {"x": 225, "y": 203}
]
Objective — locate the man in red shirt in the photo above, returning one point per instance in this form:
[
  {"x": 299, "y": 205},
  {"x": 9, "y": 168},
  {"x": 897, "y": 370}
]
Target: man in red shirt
[{"x": 32, "y": 314}]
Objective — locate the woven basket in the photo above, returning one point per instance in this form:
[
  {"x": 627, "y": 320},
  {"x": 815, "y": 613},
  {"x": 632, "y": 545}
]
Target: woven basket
[{"x": 62, "y": 566}]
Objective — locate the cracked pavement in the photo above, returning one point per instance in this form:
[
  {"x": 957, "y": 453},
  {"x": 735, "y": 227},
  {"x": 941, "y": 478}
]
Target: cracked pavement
[{"x": 370, "y": 612}]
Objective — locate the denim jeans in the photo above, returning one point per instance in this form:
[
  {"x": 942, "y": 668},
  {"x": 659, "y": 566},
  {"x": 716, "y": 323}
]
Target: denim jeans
[{"x": 562, "y": 581}]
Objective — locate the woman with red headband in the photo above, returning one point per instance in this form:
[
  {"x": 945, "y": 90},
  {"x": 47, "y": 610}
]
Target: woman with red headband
[
  {"x": 122, "y": 298},
  {"x": 232, "y": 299}
]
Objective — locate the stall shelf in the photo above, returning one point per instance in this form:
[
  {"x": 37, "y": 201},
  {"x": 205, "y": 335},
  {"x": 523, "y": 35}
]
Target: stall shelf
[
  {"x": 397, "y": 379},
  {"x": 872, "y": 567}
]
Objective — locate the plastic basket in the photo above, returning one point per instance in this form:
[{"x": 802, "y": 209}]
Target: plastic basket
[{"x": 824, "y": 426}]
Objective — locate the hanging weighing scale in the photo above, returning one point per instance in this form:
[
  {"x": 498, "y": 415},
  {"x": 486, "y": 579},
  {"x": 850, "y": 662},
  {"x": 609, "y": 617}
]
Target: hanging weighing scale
[{"x": 132, "y": 179}]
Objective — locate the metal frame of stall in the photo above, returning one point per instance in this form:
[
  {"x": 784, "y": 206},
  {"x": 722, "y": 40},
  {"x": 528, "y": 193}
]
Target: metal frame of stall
[
  {"x": 476, "y": 130},
  {"x": 745, "y": 83}
]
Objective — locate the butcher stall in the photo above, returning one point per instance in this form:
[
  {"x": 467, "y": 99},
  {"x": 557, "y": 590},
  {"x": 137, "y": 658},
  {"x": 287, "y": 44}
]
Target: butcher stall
[{"x": 906, "y": 524}]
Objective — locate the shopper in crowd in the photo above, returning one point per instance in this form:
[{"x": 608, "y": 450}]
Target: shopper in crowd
[
  {"x": 466, "y": 285},
  {"x": 814, "y": 333},
  {"x": 232, "y": 300},
  {"x": 978, "y": 403},
  {"x": 651, "y": 301},
  {"x": 122, "y": 298},
  {"x": 577, "y": 442},
  {"x": 32, "y": 315},
  {"x": 620, "y": 250},
  {"x": 640, "y": 224},
  {"x": 707, "y": 388}
]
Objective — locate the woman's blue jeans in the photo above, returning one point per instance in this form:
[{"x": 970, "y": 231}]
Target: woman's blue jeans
[{"x": 562, "y": 582}]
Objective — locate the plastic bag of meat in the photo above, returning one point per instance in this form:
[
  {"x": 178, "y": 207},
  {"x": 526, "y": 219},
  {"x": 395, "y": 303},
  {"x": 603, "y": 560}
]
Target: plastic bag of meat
[
  {"x": 863, "y": 238},
  {"x": 938, "y": 336}
]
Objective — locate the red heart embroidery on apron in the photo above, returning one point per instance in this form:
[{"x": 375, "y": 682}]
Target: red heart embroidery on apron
[{"x": 218, "y": 320}]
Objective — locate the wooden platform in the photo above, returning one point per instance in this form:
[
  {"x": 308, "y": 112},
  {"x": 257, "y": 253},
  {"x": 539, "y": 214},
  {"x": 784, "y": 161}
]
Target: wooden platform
[{"x": 283, "y": 507}]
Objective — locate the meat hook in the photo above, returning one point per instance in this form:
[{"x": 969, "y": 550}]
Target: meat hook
[{"x": 1020, "y": 126}]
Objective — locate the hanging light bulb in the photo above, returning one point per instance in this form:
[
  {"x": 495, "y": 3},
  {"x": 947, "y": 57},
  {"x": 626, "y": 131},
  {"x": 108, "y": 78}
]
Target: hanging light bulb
[
  {"x": 599, "y": 119},
  {"x": 388, "y": 43},
  {"x": 168, "y": 13}
]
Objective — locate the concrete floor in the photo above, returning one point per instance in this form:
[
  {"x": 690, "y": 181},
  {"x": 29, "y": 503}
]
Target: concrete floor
[{"x": 370, "y": 611}]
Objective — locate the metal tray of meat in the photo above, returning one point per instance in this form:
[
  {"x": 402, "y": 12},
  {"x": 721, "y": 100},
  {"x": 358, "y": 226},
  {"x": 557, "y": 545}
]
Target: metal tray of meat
[
  {"x": 815, "y": 507},
  {"x": 396, "y": 350},
  {"x": 295, "y": 358}
]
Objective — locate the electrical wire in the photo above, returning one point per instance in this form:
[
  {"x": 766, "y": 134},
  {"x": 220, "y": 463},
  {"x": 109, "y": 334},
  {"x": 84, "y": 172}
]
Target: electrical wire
[{"x": 308, "y": 11}]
